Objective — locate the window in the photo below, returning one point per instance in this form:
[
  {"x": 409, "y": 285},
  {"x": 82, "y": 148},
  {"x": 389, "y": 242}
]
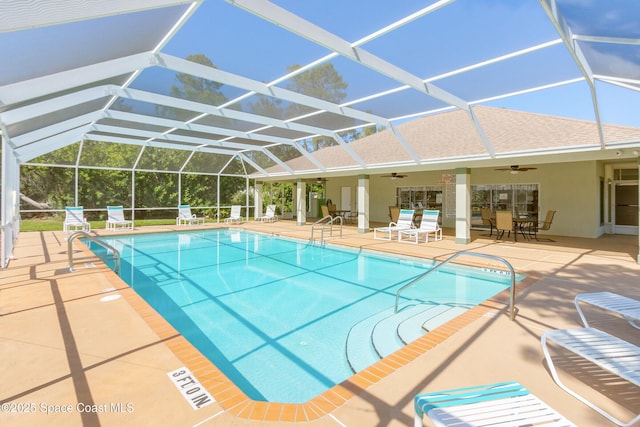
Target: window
[
  {"x": 625, "y": 174},
  {"x": 520, "y": 199},
  {"x": 425, "y": 197}
]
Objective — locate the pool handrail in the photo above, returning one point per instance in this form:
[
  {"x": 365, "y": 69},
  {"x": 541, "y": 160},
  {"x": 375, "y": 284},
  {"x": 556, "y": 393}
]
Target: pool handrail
[
  {"x": 330, "y": 220},
  {"x": 115, "y": 253},
  {"x": 512, "y": 298}
]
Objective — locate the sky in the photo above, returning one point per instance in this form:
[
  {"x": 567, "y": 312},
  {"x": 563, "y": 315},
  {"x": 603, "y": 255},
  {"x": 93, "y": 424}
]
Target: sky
[{"x": 460, "y": 34}]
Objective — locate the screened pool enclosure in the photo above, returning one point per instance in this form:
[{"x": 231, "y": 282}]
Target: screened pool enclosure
[{"x": 153, "y": 103}]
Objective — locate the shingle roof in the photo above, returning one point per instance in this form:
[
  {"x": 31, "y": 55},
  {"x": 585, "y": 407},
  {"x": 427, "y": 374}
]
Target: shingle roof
[{"x": 452, "y": 135}]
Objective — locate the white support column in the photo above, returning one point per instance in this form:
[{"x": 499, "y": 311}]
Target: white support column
[
  {"x": 218, "y": 178},
  {"x": 463, "y": 205},
  {"x": 246, "y": 199},
  {"x": 301, "y": 202},
  {"x": 133, "y": 196},
  {"x": 363, "y": 203},
  {"x": 257, "y": 197},
  {"x": 179, "y": 189},
  {"x": 10, "y": 205}
]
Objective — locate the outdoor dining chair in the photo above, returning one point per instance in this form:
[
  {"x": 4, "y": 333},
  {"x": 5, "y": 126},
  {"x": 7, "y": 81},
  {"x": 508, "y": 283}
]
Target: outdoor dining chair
[{"x": 504, "y": 222}]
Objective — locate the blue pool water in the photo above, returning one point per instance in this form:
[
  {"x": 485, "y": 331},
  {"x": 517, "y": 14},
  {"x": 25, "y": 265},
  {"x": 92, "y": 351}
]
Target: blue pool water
[{"x": 275, "y": 314}]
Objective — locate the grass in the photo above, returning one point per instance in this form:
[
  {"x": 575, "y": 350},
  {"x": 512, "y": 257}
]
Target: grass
[{"x": 56, "y": 225}]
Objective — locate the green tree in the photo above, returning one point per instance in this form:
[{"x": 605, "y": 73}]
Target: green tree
[
  {"x": 322, "y": 82},
  {"x": 194, "y": 89},
  {"x": 271, "y": 107}
]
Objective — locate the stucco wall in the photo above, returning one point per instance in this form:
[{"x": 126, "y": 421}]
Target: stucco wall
[{"x": 572, "y": 189}]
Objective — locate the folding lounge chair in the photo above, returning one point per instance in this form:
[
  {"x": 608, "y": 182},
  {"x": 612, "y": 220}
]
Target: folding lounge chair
[
  {"x": 428, "y": 225},
  {"x": 115, "y": 219},
  {"x": 185, "y": 217},
  {"x": 235, "y": 215},
  {"x": 270, "y": 214},
  {"x": 405, "y": 222},
  {"x": 609, "y": 352},
  {"x": 625, "y": 306},
  {"x": 501, "y": 404},
  {"x": 75, "y": 220}
]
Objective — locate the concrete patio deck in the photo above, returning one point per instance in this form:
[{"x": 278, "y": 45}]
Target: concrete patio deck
[{"x": 71, "y": 357}]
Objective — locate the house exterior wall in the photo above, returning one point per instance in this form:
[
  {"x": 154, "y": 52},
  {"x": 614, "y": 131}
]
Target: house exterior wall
[{"x": 572, "y": 189}]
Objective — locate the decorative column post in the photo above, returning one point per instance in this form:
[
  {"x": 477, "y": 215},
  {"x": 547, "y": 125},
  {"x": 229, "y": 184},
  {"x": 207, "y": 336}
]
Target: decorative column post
[
  {"x": 257, "y": 197},
  {"x": 463, "y": 205},
  {"x": 363, "y": 203},
  {"x": 301, "y": 203}
]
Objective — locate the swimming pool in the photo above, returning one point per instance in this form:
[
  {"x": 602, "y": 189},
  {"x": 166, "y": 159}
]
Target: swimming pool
[{"x": 285, "y": 320}]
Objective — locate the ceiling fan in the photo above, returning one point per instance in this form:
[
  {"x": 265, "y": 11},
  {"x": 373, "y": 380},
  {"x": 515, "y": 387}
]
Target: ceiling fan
[
  {"x": 515, "y": 169},
  {"x": 394, "y": 175}
]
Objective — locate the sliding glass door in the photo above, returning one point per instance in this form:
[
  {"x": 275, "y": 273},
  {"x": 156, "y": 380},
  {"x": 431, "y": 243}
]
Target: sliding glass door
[
  {"x": 520, "y": 199},
  {"x": 626, "y": 208}
]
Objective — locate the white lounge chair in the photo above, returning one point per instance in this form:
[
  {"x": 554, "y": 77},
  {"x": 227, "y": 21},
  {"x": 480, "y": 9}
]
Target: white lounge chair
[
  {"x": 115, "y": 219},
  {"x": 428, "y": 225},
  {"x": 185, "y": 217},
  {"x": 75, "y": 220},
  {"x": 405, "y": 222},
  {"x": 235, "y": 215},
  {"x": 269, "y": 216},
  {"x": 501, "y": 404},
  {"x": 609, "y": 352},
  {"x": 625, "y": 306}
]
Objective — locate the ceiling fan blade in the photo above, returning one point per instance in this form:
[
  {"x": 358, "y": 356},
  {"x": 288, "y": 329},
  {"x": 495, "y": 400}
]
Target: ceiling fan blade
[{"x": 515, "y": 168}]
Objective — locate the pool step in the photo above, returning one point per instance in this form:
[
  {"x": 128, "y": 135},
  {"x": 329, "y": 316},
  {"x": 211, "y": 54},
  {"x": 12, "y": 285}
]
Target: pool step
[
  {"x": 359, "y": 348},
  {"x": 413, "y": 328},
  {"x": 386, "y": 332},
  {"x": 385, "y": 337}
]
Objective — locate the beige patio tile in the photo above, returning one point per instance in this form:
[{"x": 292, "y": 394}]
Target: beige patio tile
[{"x": 60, "y": 343}]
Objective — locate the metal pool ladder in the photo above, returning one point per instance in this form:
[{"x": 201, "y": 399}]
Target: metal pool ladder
[
  {"x": 324, "y": 224},
  {"x": 512, "y": 299},
  {"x": 115, "y": 254}
]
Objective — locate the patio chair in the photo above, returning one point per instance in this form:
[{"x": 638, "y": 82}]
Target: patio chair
[
  {"x": 75, "y": 220},
  {"x": 235, "y": 216},
  {"x": 325, "y": 211},
  {"x": 405, "y": 222},
  {"x": 394, "y": 213},
  {"x": 487, "y": 219},
  {"x": 610, "y": 353},
  {"x": 504, "y": 222},
  {"x": 546, "y": 225},
  {"x": 115, "y": 219},
  {"x": 500, "y": 404},
  {"x": 629, "y": 308},
  {"x": 332, "y": 210},
  {"x": 428, "y": 224},
  {"x": 269, "y": 216},
  {"x": 185, "y": 217},
  {"x": 351, "y": 217}
]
